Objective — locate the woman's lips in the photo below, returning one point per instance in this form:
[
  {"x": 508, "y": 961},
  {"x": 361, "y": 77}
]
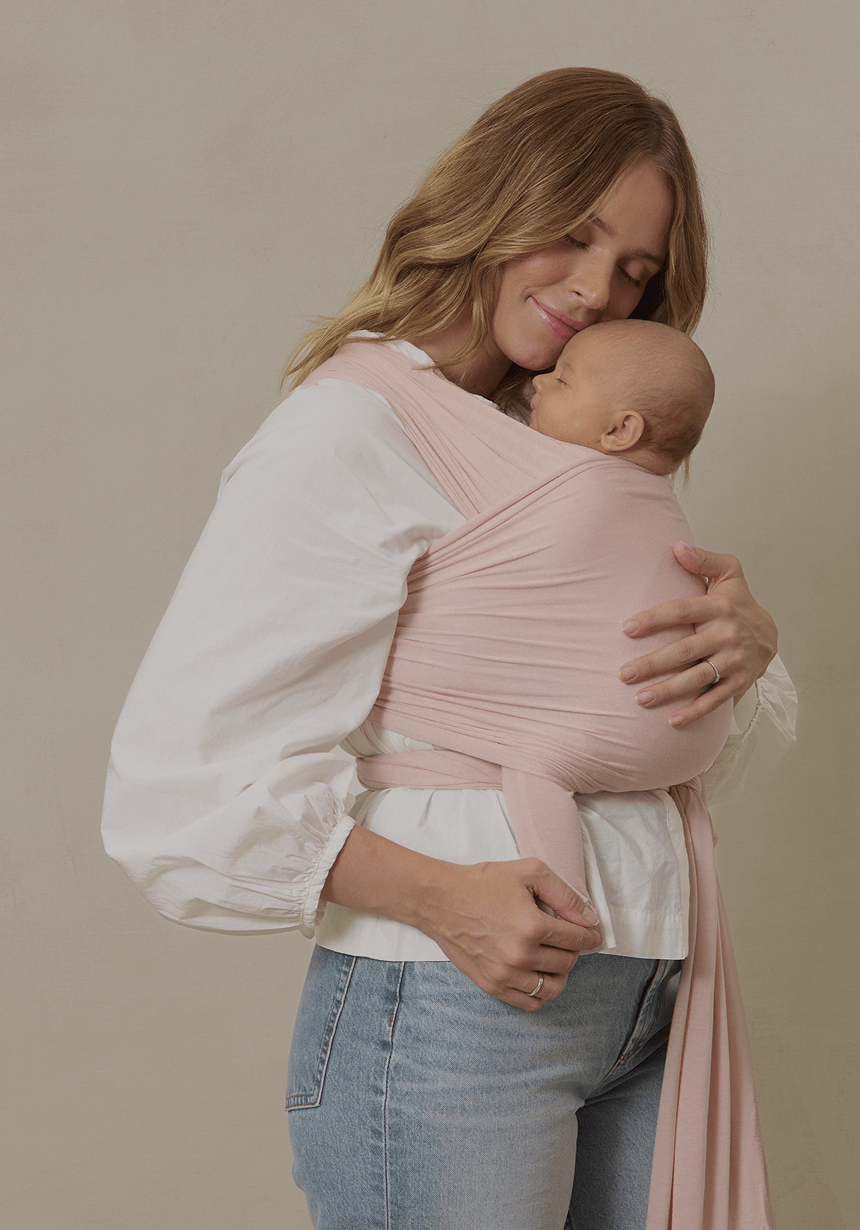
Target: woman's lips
[{"x": 559, "y": 324}]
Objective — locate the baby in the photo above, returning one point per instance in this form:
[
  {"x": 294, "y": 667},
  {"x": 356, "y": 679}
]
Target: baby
[{"x": 633, "y": 388}]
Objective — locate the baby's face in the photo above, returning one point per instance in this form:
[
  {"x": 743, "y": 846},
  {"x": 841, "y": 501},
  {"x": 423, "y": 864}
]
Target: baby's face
[{"x": 572, "y": 403}]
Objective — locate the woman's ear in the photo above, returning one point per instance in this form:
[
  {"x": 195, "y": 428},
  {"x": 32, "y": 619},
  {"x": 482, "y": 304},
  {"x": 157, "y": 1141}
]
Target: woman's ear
[{"x": 625, "y": 432}]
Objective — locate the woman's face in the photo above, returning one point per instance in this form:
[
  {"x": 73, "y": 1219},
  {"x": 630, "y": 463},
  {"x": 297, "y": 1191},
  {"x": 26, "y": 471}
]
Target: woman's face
[{"x": 599, "y": 272}]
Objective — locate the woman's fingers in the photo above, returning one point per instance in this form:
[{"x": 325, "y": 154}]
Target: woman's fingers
[
  {"x": 544, "y": 988},
  {"x": 682, "y": 653},
  {"x": 710, "y": 695},
  {"x": 557, "y": 898},
  {"x": 696, "y": 689},
  {"x": 708, "y": 564},
  {"x": 493, "y": 930},
  {"x": 517, "y": 986},
  {"x": 731, "y": 631},
  {"x": 535, "y": 988}
]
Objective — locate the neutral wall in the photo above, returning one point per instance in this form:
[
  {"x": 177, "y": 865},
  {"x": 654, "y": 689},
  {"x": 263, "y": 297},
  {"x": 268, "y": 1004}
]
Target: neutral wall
[{"x": 187, "y": 182}]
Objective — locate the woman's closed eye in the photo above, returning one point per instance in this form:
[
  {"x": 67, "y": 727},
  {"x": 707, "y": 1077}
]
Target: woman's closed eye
[{"x": 583, "y": 246}]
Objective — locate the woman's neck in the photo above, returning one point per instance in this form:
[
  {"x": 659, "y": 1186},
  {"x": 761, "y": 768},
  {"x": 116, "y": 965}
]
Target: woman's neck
[{"x": 480, "y": 375}]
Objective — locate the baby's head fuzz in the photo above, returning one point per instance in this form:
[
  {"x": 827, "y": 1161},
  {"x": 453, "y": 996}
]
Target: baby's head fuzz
[
  {"x": 663, "y": 374},
  {"x": 655, "y": 374}
]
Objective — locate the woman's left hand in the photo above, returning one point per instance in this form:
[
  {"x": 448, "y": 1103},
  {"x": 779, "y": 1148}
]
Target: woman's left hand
[{"x": 731, "y": 630}]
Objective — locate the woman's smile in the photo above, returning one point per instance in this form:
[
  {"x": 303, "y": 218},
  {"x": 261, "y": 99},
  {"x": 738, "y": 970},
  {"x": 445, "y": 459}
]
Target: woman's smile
[
  {"x": 598, "y": 272},
  {"x": 557, "y": 322}
]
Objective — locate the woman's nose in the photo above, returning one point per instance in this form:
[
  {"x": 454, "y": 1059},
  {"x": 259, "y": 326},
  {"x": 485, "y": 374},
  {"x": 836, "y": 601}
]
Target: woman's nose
[{"x": 591, "y": 282}]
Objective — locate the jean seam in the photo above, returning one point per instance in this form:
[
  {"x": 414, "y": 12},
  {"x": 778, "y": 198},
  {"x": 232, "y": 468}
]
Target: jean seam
[
  {"x": 385, "y": 1159},
  {"x": 630, "y": 1048},
  {"x": 306, "y": 1101}
]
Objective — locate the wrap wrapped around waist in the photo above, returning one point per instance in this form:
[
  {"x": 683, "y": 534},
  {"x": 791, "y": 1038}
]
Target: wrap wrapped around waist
[
  {"x": 428, "y": 770},
  {"x": 543, "y": 813}
]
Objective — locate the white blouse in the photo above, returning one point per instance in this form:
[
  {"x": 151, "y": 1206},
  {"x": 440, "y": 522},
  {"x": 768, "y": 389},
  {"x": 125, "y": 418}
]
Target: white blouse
[{"x": 228, "y": 797}]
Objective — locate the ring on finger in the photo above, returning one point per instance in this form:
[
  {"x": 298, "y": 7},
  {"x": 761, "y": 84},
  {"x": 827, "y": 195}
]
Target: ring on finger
[
  {"x": 533, "y": 993},
  {"x": 716, "y": 678}
]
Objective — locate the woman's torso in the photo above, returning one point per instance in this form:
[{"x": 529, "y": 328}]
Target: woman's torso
[{"x": 633, "y": 843}]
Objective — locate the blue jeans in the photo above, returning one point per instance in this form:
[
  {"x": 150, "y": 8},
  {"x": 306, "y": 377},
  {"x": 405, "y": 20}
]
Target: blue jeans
[{"x": 417, "y": 1102}]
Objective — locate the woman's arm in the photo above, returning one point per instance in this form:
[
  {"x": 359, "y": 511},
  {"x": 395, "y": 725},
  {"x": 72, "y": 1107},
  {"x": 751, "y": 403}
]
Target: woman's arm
[
  {"x": 731, "y": 630},
  {"x": 483, "y": 916},
  {"x": 225, "y": 803}
]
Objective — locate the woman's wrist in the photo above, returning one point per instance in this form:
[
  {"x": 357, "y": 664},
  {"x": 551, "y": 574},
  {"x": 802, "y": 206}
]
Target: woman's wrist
[{"x": 376, "y": 876}]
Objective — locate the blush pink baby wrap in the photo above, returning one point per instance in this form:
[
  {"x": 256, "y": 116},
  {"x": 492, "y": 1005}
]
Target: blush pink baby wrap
[{"x": 506, "y": 653}]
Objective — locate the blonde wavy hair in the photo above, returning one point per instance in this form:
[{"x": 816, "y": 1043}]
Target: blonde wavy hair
[{"x": 534, "y": 167}]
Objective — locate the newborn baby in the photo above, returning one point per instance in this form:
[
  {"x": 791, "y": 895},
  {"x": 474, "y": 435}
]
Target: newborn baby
[{"x": 633, "y": 388}]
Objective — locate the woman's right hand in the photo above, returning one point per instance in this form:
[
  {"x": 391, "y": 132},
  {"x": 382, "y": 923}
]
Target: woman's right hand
[
  {"x": 484, "y": 916},
  {"x": 486, "y": 919}
]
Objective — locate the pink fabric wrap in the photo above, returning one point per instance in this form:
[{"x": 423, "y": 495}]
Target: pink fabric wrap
[{"x": 506, "y": 654}]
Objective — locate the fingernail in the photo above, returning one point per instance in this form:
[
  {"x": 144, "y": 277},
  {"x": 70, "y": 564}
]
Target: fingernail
[
  {"x": 644, "y": 698},
  {"x": 629, "y": 627},
  {"x": 590, "y": 917},
  {"x": 676, "y": 720},
  {"x": 627, "y": 674}
]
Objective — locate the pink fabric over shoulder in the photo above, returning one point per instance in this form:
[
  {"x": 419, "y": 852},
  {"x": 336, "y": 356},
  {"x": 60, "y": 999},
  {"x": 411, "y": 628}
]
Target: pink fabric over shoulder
[{"x": 506, "y": 654}]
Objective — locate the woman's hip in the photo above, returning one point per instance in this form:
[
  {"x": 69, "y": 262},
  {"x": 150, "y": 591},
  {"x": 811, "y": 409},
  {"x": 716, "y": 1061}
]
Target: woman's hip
[{"x": 416, "y": 1099}]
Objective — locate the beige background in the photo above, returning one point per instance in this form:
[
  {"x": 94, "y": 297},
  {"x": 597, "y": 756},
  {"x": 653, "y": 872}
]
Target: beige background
[{"x": 187, "y": 182}]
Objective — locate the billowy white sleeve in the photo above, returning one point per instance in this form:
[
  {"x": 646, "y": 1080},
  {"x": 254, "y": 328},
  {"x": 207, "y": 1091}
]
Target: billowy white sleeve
[
  {"x": 227, "y": 798},
  {"x": 763, "y": 730}
]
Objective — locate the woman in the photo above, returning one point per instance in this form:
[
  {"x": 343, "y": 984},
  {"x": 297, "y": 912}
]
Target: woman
[{"x": 437, "y": 1101}]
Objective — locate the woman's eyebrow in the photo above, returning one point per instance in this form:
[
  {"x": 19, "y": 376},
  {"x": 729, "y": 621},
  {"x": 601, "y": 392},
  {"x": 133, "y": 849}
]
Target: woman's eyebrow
[{"x": 607, "y": 230}]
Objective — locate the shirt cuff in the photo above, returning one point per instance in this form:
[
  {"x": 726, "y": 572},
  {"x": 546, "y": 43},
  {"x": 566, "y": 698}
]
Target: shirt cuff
[{"x": 312, "y": 909}]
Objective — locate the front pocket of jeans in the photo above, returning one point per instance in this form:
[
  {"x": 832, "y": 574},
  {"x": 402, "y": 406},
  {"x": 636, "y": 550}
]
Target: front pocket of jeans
[{"x": 322, "y": 1001}]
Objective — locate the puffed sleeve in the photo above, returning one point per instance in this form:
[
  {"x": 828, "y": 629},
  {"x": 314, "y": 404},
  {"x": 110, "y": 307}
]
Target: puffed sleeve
[
  {"x": 763, "y": 730},
  {"x": 227, "y": 799}
]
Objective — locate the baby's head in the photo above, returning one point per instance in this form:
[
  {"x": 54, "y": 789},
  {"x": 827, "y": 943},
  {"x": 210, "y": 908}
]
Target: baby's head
[{"x": 631, "y": 387}]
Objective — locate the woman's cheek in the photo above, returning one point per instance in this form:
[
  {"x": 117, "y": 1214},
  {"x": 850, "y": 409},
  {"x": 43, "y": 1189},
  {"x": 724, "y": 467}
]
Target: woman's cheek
[{"x": 543, "y": 267}]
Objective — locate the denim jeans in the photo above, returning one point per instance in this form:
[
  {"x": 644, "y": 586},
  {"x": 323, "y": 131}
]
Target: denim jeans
[{"x": 417, "y": 1102}]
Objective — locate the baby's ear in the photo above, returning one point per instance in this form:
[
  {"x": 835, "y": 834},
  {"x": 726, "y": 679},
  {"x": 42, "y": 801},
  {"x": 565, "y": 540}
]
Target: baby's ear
[{"x": 625, "y": 432}]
